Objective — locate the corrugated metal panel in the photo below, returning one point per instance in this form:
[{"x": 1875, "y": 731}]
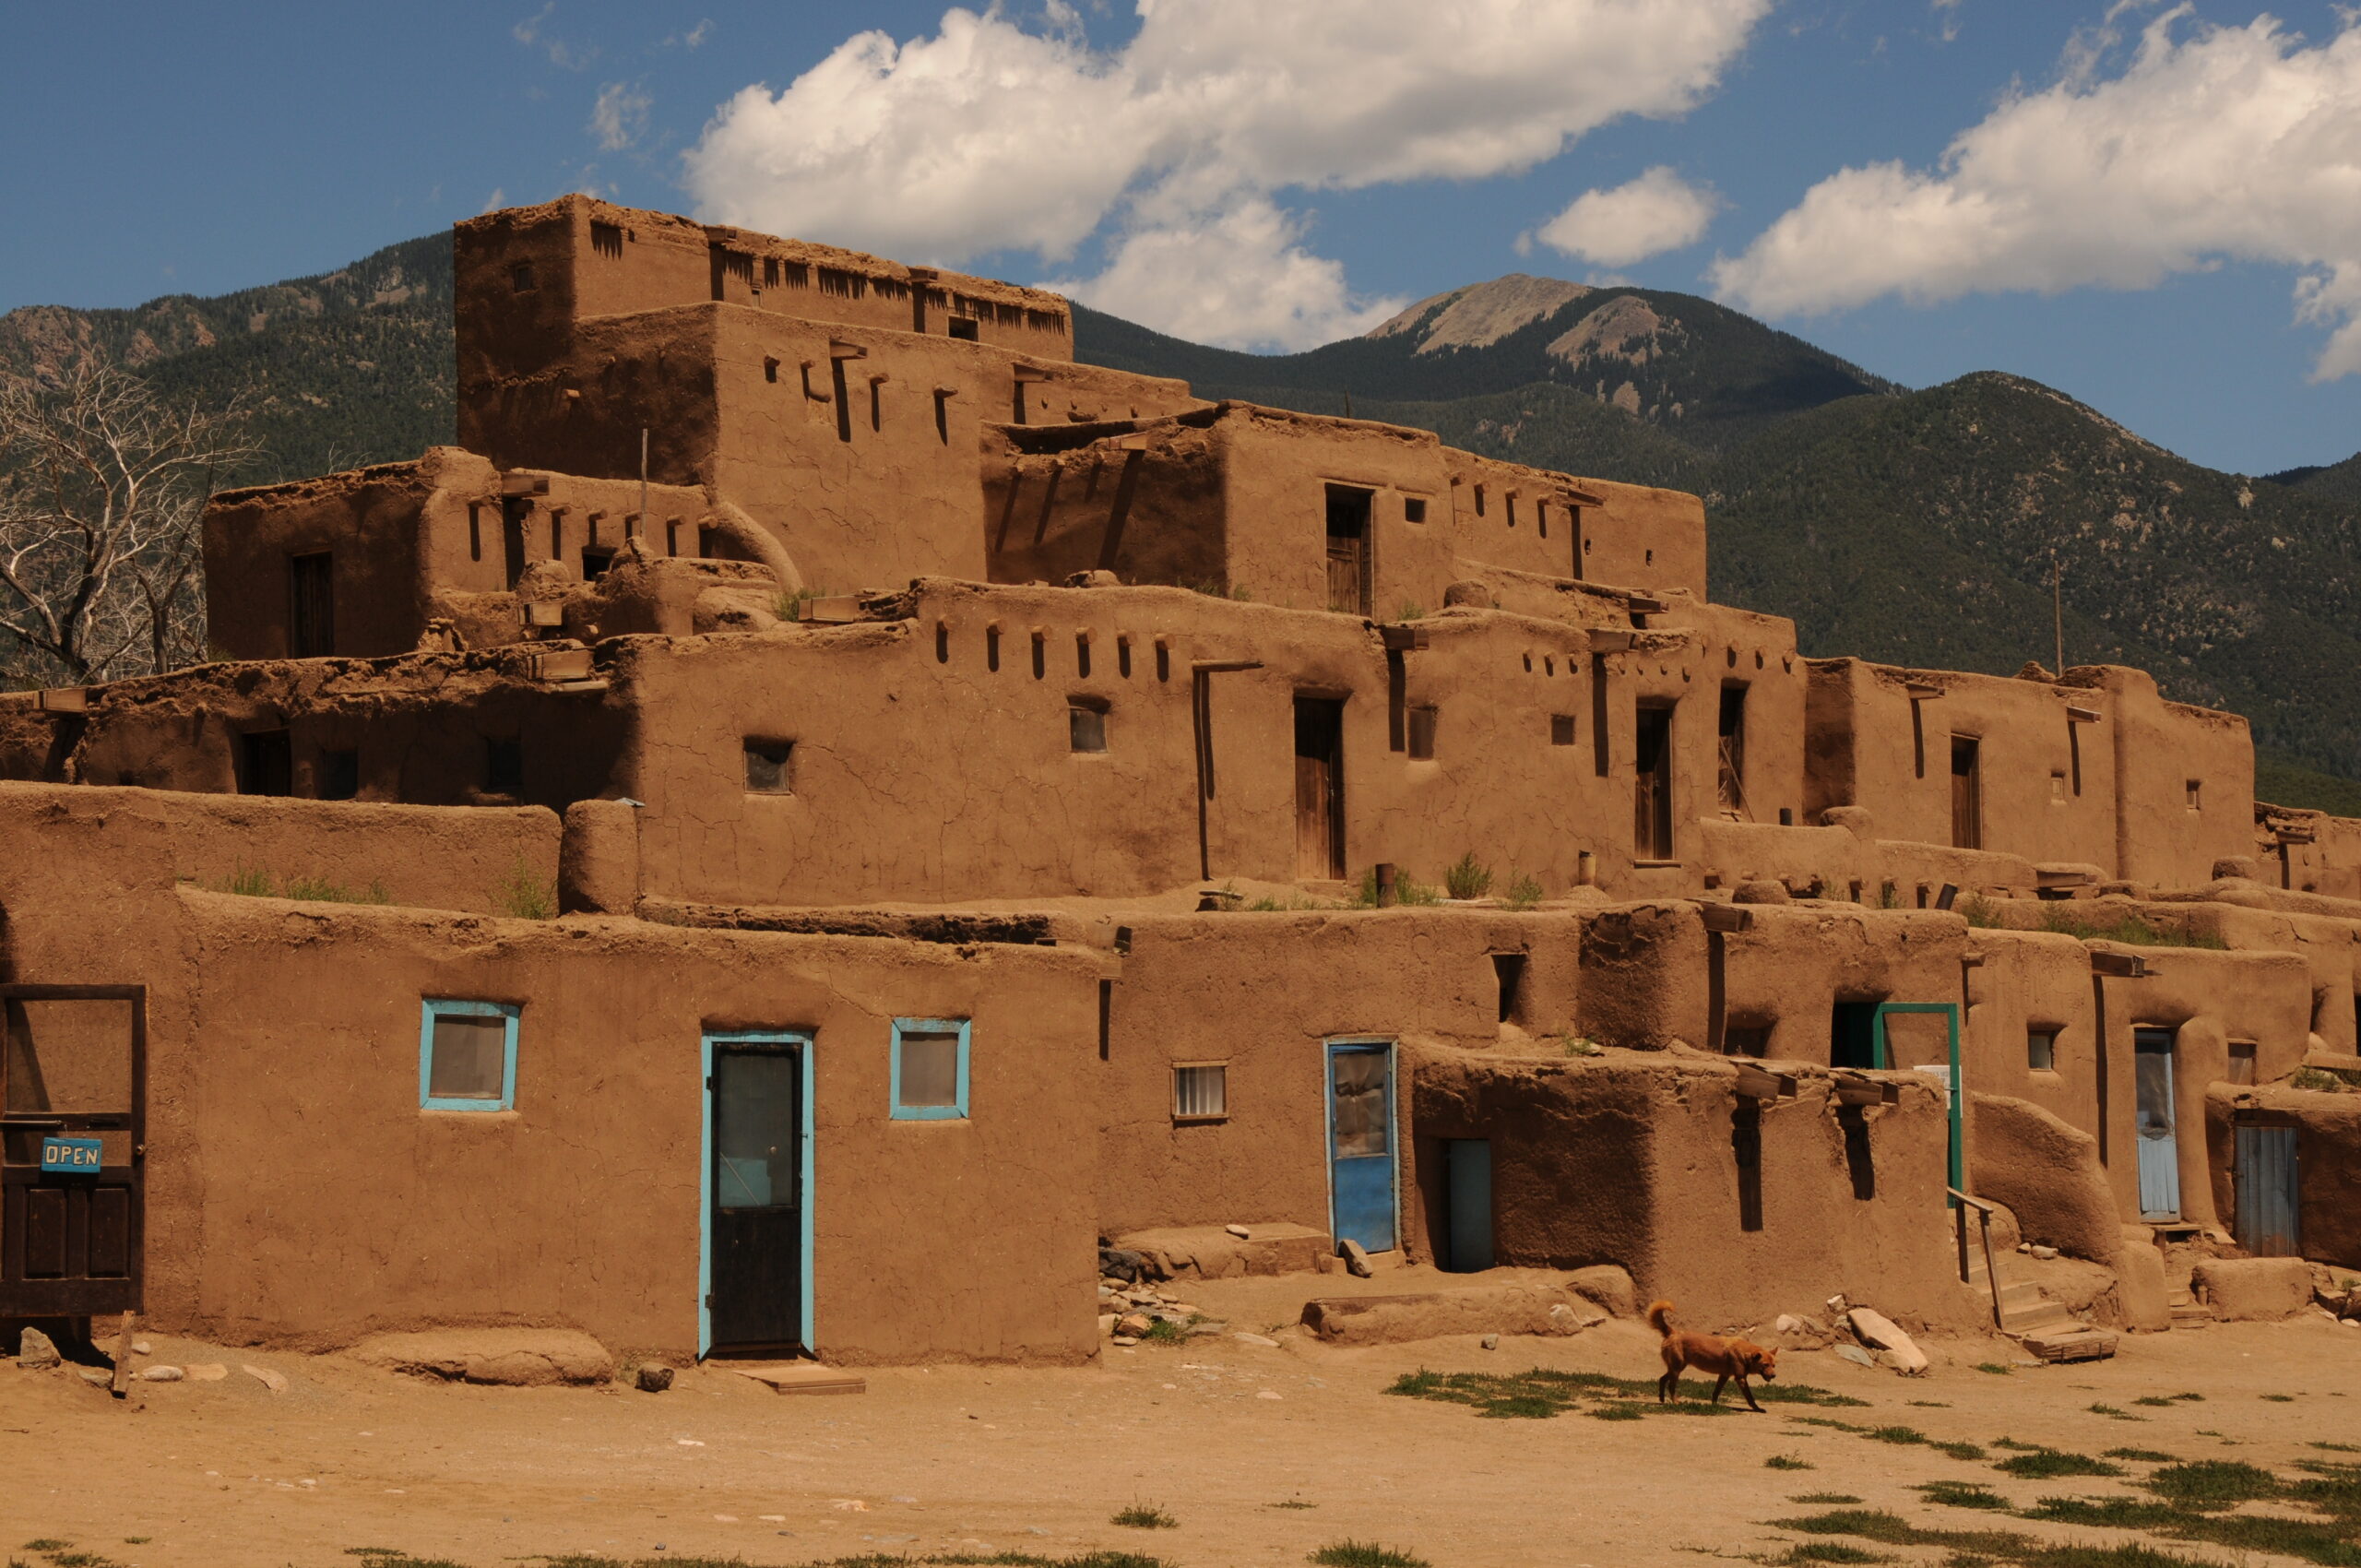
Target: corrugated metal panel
[{"x": 2267, "y": 1190}]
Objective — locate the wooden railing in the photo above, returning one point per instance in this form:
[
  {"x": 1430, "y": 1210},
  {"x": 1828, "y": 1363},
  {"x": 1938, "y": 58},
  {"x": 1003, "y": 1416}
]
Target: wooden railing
[{"x": 1962, "y": 1202}]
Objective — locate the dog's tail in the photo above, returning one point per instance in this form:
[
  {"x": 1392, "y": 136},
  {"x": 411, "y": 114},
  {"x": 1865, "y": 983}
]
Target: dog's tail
[{"x": 1660, "y": 1317}]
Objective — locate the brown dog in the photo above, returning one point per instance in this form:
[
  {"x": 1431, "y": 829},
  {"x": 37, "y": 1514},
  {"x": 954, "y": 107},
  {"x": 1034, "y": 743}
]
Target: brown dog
[{"x": 1726, "y": 1359}]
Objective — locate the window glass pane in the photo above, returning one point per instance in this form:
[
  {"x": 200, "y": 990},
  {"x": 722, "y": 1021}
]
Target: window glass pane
[
  {"x": 1359, "y": 1087},
  {"x": 756, "y": 1125},
  {"x": 1199, "y": 1091},
  {"x": 930, "y": 1070},
  {"x": 469, "y": 1057},
  {"x": 2041, "y": 1050},
  {"x": 1087, "y": 728}
]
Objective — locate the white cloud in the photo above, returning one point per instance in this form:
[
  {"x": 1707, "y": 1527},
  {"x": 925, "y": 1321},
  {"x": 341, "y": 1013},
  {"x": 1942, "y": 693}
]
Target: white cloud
[
  {"x": 560, "y": 54},
  {"x": 1657, "y": 212},
  {"x": 987, "y": 136},
  {"x": 2228, "y": 144},
  {"x": 620, "y": 117},
  {"x": 1239, "y": 277}
]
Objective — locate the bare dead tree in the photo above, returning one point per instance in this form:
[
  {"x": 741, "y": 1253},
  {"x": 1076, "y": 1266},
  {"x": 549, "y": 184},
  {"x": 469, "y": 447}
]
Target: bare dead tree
[{"x": 103, "y": 493}]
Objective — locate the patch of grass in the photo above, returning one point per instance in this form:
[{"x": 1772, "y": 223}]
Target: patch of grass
[
  {"x": 1825, "y": 1498},
  {"x": 1961, "y": 1450},
  {"x": 2047, "y": 1464},
  {"x": 2154, "y": 1401},
  {"x": 46, "y": 1544},
  {"x": 2112, "y": 1413},
  {"x": 1365, "y": 1554},
  {"x": 1145, "y": 1516},
  {"x": 1523, "y": 893},
  {"x": 1786, "y": 1462},
  {"x": 1408, "y": 891},
  {"x": 1963, "y": 1494},
  {"x": 253, "y": 881},
  {"x": 2145, "y": 1456},
  {"x": 2131, "y": 930},
  {"x": 2211, "y": 1483},
  {"x": 1468, "y": 877},
  {"x": 1295, "y": 1503},
  {"x": 1543, "y": 1391},
  {"x": 524, "y": 894},
  {"x": 1615, "y": 1412},
  {"x": 2281, "y": 1398},
  {"x": 1995, "y": 1368},
  {"x": 1579, "y": 1045},
  {"x": 1828, "y": 1551},
  {"x": 2189, "y": 1398},
  {"x": 2313, "y": 1080},
  {"x": 1928, "y": 1404},
  {"x": 2338, "y": 1447},
  {"x": 1411, "y": 611}
]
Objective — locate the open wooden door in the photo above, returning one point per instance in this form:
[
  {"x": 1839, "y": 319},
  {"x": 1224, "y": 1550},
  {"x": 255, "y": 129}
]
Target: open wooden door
[
  {"x": 1320, "y": 788},
  {"x": 73, "y": 1129}
]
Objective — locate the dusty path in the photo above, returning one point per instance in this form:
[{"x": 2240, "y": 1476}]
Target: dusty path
[{"x": 1216, "y": 1432}]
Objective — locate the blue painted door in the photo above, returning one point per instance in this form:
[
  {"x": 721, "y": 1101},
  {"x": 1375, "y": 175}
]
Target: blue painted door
[
  {"x": 2157, "y": 1134},
  {"x": 1361, "y": 1143},
  {"x": 2267, "y": 1190}
]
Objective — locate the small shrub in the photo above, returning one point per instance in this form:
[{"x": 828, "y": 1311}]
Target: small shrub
[
  {"x": 1365, "y": 1554},
  {"x": 1963, "y": 1494},
  {"x": 1145, "y": 1516},
  {"x": 1468, "y": 877},
  {"x": 1524, "y": 892},
  {"x": 1828, "y": 1551},
  {"x": 1412, "y": 611},
  {"x": 1837, "y": 1498},
  {"x": 2045, "y": 1464},
  {"x": 2211, "y": 1483},
  {"x": 2315, "y": 1081},
  {"x": 1617, "y": 1412},
  {"x": 1959, "y": 1450},
  {"x": 525, "y": 894},
  {"x": 1295, "y": 1503},
  {"x": 2281, "y": 1398},
  {"x": 1998, "y": 1370},
  {"x": 2144, "y": 1456},
  {"x": 1785, "y": 1462},
  {"x": 2112, "y": 1413},
  {"x": 1408, "y": 890},
  {"x": 1579, "y": 1045},
  {"x": 2155, "y": 1401}
]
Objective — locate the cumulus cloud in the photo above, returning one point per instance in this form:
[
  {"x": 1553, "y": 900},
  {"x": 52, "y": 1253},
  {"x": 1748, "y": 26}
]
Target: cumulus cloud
[
  {"x": 1657, "y": 212},
  {"x": 2210, "y": 144},
  {"x": 986, "y": 137},
  {"x": 620, "y": 116}
]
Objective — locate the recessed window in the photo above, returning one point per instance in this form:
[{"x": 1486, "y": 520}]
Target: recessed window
[
  {"x": 2195, "y": 787},
  {"x": 964, "y": 328},
  {"x": 1086, "y": 724},
  {"x": 1746, "y": 1039},
  {"x": 265, "y": 763},
  {"x": 594, "y": 564},
  {"x": 520, "y": 277},
  {"x": 1480, "y": 499},
  {"x": 503, "y": 764},
  {"x": 2041, "y": 1050},
  {"x": 1414, "y": 509},
  {"x": 770, "y": 369},
  {"x": 338, "y": 777},
  {"x": 930, "y": 1069},
  {"x": 1561, "y": 729},
  {"x": 1422, "y": 734},
  {"x": 769, "y": 769},
  {"x": 1199, "y": 1091},
  {"x": 467, "y": 1055},
  {"x": 2242, "y": 1062}
]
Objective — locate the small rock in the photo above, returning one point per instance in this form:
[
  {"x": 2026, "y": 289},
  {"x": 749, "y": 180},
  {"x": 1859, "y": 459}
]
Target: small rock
[
  {"x": 1855, "y": 1354},
  {"x": 1202, "y": 1330},
  {"x": 1355, "y": 1259},
  {"x": 1491, "y": 1342},
  {"x": 1836, "y": 1306},
  {"x": 207, "y": 1371},
  {"x": 2043, "y": 1253},
  {"x": 1106, "y": 1323},
  {"x": 141, "y": 1348},
  {"x": 1897, "y": 1348},
  {"x": 96, "y": 1378},
  {"x": 274, "y": 1382},
  {"x": 36, "y": 1352},
  {"x": 163, "y": 1374},
  {"x": 1267, "y": 1344},
  {"x": 1133, "y": 1325},
  {"x": 653, "y": 1377},
  {"x": 1238, "y": 1231},
  {"x": 1788, "y": 1323},
  {"x": 1266, "y": 1394},
  {"x": 1123, "y": 1341}
]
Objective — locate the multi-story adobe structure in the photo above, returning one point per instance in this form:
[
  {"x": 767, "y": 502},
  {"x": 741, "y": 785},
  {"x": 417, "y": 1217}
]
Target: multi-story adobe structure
[{"x": 990, "y": 804}]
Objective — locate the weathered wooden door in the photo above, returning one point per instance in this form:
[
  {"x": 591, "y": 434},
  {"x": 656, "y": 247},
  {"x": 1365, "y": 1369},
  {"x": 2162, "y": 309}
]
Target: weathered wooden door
[
  {"x": 755, "y": 1231},
  {"x": 1348, "y": 550},
  {"x": 1361, "y": 1143},
  {"x": 73, "y": 1129},
  {"x": 2266, "y": 1175},
  {"x": 1318, "y": 788},
  {"x": 2158, "y": 1137}
]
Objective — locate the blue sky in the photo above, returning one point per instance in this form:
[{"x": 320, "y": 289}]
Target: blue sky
[{"x": 2133, "y": 215}]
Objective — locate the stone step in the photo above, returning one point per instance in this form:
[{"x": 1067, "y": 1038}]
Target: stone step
[
  {"x": 2045, "y": 1315},
  {"x": 2081, "y": 1343}
]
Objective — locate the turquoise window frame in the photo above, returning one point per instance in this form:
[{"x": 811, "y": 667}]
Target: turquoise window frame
[
  {"x": 901, "y": 1113},
  {"x": 1957, "y": 1168},
  {"x": 806, "y": 1046},
  {"x": 434, "y": 1007}
]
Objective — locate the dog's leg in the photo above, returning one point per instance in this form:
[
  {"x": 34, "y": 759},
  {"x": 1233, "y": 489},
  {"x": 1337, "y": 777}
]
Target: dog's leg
[
  {"x": 1742, "y": 1388},
  {"x": 1721, "y": 1382}
]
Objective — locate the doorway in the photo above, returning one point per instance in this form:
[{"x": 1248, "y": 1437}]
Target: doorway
[
  {"x": 1651, "y": 784},
  {"x": 1732, "y": 786},
  {"x": 1853, "y": 1035},
  {"x": 1467, "y": 1183},
  {"x": 1320, "y": 788},
  {"x": 2265, "y": 1172},
  {"x": 2157, "y": 1134},
  {"x": 757, "y": 1288},
  {"x": 1967, "y": 792},
  {"x": 1348, "y": 549},
  {"x": 1361, "y": 1143},
  {"x": 73, "y": 1136}
]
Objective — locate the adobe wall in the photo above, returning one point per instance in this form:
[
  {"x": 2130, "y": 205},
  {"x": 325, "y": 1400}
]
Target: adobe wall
[
  {"x": 2328, "y": 1162},
  {"x": 1631, "y": 536},
  {"x": 1636, "y": 1161},
  {"x": 2185, "y": 777},
  {"x": 1051, "y": 494},
  {"x": 1276, "y": 467},
  {"x": 429, "y": 857},
  {"x": 2308, "y": 852}
]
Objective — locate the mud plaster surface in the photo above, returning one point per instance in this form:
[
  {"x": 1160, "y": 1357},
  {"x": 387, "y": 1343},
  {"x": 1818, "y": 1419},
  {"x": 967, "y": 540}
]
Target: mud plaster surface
[{"x": 216, "y": 1473}]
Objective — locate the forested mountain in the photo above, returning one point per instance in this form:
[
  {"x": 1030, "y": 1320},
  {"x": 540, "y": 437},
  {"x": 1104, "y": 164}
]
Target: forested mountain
[{"x": 1911, "y": 526}]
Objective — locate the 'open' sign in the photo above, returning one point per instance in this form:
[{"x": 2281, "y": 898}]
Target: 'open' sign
[{"x": 70, "y": 1154}]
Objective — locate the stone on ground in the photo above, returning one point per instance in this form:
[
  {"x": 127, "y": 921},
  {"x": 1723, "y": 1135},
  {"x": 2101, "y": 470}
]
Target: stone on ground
[
  {"x": 36, "y": 1352},
  {"x": 517, "y": 1358}
]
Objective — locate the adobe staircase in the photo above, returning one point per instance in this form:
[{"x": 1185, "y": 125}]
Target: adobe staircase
[{"x": 2046, "y": 1329}]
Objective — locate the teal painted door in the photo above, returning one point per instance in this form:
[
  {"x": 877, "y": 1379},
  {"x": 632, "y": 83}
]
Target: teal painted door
[
  {"x": 1361, "y": 1143},
  {"x": 2157, "y": 1134}
]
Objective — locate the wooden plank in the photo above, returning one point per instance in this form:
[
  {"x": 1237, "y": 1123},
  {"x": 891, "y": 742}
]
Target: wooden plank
[
  {"x": 120, "y": 1384},
  {"x": 805, "y": 1378}
]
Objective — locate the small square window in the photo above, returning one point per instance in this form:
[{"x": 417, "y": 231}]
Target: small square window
[
  {"x": 1086, "y": 724},
  {"x": 1199, "y": 1091},
  {"x": 1750, "y": 1040},
  {"x": 504, "y": 765},
  {"x": 964, "y": 327},
  {"x": 1414, "y": 509},
  {"x": 1422, "y": 734},
  {"x": 769, "y": 769},
  {"x": 930, "y": 1069},
  {"x": 520, "y": 277},
  {"x": 466, "y": 1056},
  {"x": 2041, "y": 1050},
  {"x": 1561, "y": 729},
  {"x": 339, "y": 775},
  {"x": 2242, "y": 1062},
  {"x": 770, "y": 369}
]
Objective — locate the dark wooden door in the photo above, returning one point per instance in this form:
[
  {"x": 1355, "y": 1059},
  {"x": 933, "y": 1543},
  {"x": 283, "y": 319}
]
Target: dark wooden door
[
  {"x": 757, "y": 1206},
  {"x": 310, "y": 606},
  {"x": 1967, "y": 794},
  {"x": 1348, "y": 550},
  {"x": 73, "y": 1073},
  {"x": 1652, "y": 784},
  {"x": 1318, "y": 788}
]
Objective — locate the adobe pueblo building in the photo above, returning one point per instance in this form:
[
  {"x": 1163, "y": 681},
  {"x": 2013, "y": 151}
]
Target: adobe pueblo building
[{"x": 821, "y": 811}]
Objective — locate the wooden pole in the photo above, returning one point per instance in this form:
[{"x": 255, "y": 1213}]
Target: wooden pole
[
  {"x": 2057, "y": 608},
  {"x": 643, "y": 471}
]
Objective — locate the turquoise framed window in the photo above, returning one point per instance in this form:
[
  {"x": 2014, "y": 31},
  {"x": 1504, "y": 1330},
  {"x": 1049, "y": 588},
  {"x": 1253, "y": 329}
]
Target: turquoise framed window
[
  {"x": 930, "y": 1070},
  {"x": 467, "y": 1055}
]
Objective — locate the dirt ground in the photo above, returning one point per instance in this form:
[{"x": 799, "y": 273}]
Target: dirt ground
[{"x": 1261, "y": 1453}]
